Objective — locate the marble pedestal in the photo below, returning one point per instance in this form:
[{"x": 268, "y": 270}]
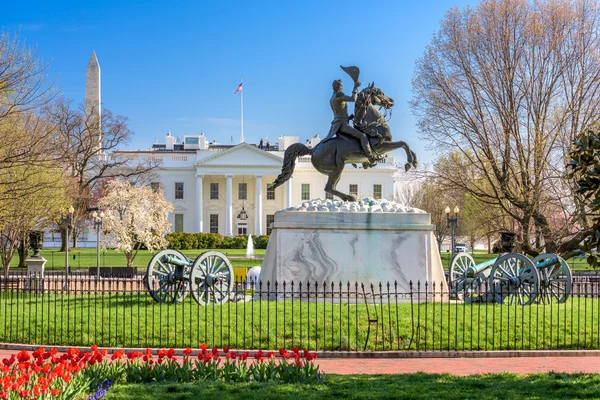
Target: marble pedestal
[
  {"x": 35, "y": 273},
  {"x": 364, "y": 247}
]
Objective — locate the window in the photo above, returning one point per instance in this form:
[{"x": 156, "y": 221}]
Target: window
[
  {"x": 178, "y": 190},
  {"x": 242, "y": 191},
  {"x": 155, "y": 186},
  {"x": 178, "y": 222},
  {"x": 270, "y": 192},
  {"x": 191, "y": 140},
  {"x": 214, "y": 191},
  {"x": 353, "y": 189},
  {"x": 328, "y": 196},
  {"x": 270, "y": 220},
  {"x": 242, "y": 230},
  {"x": 214, "y": 223},
  {"x": 305, "y": 191},
  {"x": 377, "y": 191}
]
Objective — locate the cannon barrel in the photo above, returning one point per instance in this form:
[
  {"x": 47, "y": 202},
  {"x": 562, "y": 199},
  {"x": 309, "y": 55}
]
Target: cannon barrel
[
  {"x": 474, "y": 270},
  {"x": 550, "y": 261},
  {"x": 176, "y": 261}
]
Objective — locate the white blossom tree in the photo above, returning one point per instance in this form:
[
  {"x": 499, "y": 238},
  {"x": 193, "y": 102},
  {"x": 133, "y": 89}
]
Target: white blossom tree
[{"x": 135, "y": 216}]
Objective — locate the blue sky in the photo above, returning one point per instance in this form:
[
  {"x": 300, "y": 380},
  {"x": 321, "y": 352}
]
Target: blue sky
[{"x": 175, "y": 65}]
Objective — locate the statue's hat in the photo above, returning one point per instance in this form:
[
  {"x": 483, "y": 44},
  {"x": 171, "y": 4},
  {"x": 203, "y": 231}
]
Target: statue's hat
[{"x": 354, "y": 72}]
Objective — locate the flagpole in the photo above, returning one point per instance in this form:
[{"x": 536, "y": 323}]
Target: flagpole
[{"x": 242, "y": 112}]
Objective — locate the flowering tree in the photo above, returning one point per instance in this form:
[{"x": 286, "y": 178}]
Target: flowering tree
[{"x": 135, "y": 216}]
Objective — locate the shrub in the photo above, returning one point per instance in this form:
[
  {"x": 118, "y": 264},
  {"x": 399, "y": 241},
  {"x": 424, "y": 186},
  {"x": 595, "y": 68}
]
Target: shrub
[
  {"x": 260, "y": 242},
  {"x": 193, "y": 241}
]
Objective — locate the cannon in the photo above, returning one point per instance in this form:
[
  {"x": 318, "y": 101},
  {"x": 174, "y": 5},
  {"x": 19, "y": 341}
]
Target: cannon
[
  {"x": 171, "y": 276},
  {"x": 465, "y": 276},
  {"x": 513, "y": 277}
]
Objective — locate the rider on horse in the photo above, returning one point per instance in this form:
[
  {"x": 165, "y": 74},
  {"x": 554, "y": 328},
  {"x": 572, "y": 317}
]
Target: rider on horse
[{"x": 339, "y": 106}]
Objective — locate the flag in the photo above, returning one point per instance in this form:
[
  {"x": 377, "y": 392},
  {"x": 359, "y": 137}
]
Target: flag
[{"x": 239, "y": 89}]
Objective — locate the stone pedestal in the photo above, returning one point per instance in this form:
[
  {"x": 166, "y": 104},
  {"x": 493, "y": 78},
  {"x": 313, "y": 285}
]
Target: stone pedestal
[
  {"x": 353, "y": 245},
  {"x": 35, "y": 273}
]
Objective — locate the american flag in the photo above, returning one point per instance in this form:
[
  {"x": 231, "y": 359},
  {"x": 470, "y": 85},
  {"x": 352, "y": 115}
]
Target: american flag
[{"x": 239, "y": 89}]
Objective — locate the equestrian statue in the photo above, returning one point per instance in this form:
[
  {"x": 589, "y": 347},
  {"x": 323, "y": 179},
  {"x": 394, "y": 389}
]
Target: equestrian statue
[{"x": 366, "y": 142}]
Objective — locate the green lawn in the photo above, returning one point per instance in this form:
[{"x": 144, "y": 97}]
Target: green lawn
[
  {"x": 409, "y": 386},
  {"x": 85, "y": 258},
  {"x": 133, "y": 319}
]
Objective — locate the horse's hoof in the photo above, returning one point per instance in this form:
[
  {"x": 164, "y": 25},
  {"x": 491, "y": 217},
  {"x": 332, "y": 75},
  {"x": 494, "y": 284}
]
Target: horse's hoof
[
  {"x": 415, "y": 164},
  {"x": 407, "y": 167}
]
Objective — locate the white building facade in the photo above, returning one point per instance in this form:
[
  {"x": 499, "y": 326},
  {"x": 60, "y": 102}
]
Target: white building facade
[{"x": 226, "y": 188}]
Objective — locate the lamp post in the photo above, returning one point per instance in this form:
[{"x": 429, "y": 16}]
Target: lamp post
[
  {"x": 452, "y": 224},
  {"x": 67, "y": 220},
  {"x": 98, "y": 225}
]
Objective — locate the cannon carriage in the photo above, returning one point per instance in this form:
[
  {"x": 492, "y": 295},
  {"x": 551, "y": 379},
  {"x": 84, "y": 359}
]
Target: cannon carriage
[
  {"x": 171, "y": 276},
  {"x": 510, "y": 278}
]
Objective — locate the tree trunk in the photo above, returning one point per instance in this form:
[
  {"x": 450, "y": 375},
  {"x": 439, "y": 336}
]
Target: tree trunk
[
  {"x": 23, "y": 252},
  {"x": 489, "y": 240},
  {"x": 75, "y": 237},
  {"x": 129, "y": 255},
  {"x": 63, "y": 243}
]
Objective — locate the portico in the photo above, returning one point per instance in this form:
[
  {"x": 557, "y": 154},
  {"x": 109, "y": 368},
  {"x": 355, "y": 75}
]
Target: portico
[{"x": 239, "y": 178}]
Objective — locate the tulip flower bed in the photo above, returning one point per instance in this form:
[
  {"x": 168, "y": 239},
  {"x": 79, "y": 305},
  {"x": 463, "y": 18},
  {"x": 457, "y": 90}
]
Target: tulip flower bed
[{"x": 75, "y": 374}]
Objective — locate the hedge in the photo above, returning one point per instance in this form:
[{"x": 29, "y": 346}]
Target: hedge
[{"x": 192, "y": 241}]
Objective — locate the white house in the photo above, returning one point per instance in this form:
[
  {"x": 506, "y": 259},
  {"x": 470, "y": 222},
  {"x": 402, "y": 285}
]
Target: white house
[{"x": 226, "y": 188}]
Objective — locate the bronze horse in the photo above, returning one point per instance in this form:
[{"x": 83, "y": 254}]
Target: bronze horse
[{"x": 329, "y": 158}]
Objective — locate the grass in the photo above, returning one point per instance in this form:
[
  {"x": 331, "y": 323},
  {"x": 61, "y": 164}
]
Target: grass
[
  {"x": 133, "y": 319},
  {"x": 86, "y": 258},
  {"x": 406, "y": 386}
]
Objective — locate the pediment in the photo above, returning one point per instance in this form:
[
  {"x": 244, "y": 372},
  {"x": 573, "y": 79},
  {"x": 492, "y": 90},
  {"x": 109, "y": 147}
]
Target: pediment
[{"x": 241, "y": 155}]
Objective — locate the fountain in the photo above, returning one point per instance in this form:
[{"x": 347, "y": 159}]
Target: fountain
[{"x": 250, "y": 247}]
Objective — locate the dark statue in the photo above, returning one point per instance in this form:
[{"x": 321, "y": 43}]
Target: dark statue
[{"x": 367, "y": 141}]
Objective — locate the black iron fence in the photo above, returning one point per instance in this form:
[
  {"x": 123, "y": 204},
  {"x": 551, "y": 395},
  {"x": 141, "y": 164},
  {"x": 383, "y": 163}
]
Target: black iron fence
[{"x": 83, "y": 311}]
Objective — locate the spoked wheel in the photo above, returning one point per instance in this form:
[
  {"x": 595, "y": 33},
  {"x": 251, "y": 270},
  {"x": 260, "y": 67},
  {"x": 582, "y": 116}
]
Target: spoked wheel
[
  {"x": 211, "y": 280},
  {"x": 514, "y": 278},
  {"x": 556, "y": 280},
  {"x": 166, "y": 280},
  {"x": 460, "y": 282}
]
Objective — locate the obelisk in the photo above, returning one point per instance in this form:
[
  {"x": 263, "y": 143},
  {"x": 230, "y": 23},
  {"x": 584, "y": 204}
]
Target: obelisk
[{"x": 93, "y": 108}]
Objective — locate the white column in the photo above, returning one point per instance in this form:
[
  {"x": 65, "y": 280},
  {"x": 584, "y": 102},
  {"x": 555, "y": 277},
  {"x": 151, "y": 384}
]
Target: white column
[
  {"x": 199, "y": 203},
  {"x": 229, "y": 206},
  {"x": 258, "y": 205},
  {"x": 288, "y": 194}
]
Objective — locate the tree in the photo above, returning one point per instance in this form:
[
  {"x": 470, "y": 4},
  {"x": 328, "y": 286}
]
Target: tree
[
  {"x": 87, "y": 160},
  {"x": 508, "y": 84},
  {"x": 36, "y": 211},
  {"x": 585, "y": 167},
  {"x": 135, "y": 216},
  {"x": 432, "y": 198},
  {"x": 23, "y": 78}
]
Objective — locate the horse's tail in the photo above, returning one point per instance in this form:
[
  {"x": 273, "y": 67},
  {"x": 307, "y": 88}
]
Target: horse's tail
[{"x": 289, "y": 162}]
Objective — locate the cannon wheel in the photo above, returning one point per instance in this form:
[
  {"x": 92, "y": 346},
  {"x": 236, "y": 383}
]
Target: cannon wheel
[
  {"x": 556, "y": 280},
  {"x": 160, "y": 278},
  {"x": 459, "y": 282},
  {"x": 211, "y": 280},
  {"x": 514, "y": 278}
]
